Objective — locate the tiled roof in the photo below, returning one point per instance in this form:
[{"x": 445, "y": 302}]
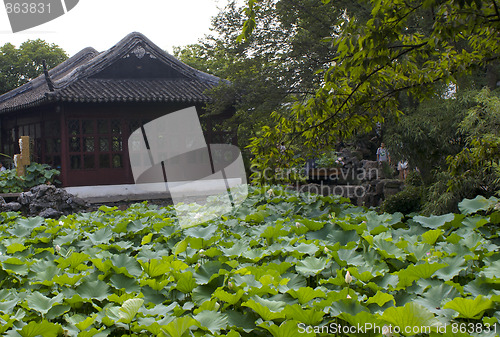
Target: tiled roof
[
  {"x": 78, "y": 79},
  {"x": 132, "y": 90}
]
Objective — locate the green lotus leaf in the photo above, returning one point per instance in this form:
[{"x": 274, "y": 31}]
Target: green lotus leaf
[
  {"x": 42, "y": 328},
  {"x": 201, "y": 232},
  {"x": 90, "y": 333},
  {"x": 311, "y": 266},
  {"x": 153, "y": 296},
  {"x": 350, "y": 257},
  {"x": 387, "y": 248},
  {"x": 306, "y": 294},
  {"x": 312, "y": 225},
  {"x": 103, "y": 235},
  {"x": 307, "y": 316},
  {"x": 454, "y": 265},
  {"x": 122, "y": 282},
  {"x": 479, "y": 203},
  {"x": 345, "y": 305},
  {"x": 334, "y": 234},
  {"x": 363, "y": 319},
  {"x": 434, "y": 221},
  {"x": 31, "y": 223},
  {"x": 207, "y": 272},
  {"x": 432, "y": 236},
  {"x": 66, "y": 279},
  {"x": 433, "y": 298},
  {"x": 45, "y": 271},
  {"x": 41, "y": 303},
  {"x": 468, "y": 307},
  {"x": 61, "y": 240},
  {"x": 240, "y": 321},
  {"x": 186, "y": 283},
  {"x": 212, "y": 321},
  {"x": 381, "y": 298},
  {"x": 236, "y": 250},
  {"x": 302, "y": 248},
  {"x": 136, "y": 226},
  {"x": 57, "y": 311},
  {"x": 76, "y": 261},
  {"x": 492, "y": 271},
  {"x": 129, "y": 309},
  {"x": 481, "y": 286},
  {"x": 267, "y": 309},
  {"x": 410, "y": 318},
  {"x": 146, "y": 239},
  {"x": 257, "y": 217},
  {"x": 229, "y": 298},
  {"x": 287, "y": 329},
  {"x": 179, "y": 326},
  {"x": 127, "y": 265},
  {"x": 417, "y": 272},
  {"x": 256, "y": 254},
  {"x": 15, "y": 247},
  {"x": 93, "y": 289},
  {"x": 155, "y": 267},
  {"x": 8, "y": 306},
  {"x": 16, "y": 265},
  {"x": 19, "y": 231}
]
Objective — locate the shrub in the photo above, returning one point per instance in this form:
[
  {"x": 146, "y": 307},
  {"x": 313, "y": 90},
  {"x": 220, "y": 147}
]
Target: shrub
[
  {"x": 414, "y": 179},
  {"x": 407, "y": 201},
  {"x": 36, "y": 174}
]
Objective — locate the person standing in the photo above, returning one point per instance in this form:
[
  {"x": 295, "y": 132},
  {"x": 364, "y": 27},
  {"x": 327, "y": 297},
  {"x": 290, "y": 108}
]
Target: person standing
[
  {"x": 2, "y": 168},
  {"x": 383, "y": 154},
  {"x": 403, "y": 169}
]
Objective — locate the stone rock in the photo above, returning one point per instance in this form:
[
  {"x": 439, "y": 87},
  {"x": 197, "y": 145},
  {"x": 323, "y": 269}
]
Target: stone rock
[
  {"x": 50, "y": 213},
  {"x": 12, "y": 206},
  {"x": 49, "y": 201}
]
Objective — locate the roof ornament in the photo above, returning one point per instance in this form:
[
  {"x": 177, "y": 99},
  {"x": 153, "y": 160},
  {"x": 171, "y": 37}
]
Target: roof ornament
[
  {"x": 139, "y": 52},
  {"x": 50, "y": 84}
]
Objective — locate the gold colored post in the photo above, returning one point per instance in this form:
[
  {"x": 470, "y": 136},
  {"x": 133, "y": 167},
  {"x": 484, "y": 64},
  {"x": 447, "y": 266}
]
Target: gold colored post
[{"x": 23, "y": 159}]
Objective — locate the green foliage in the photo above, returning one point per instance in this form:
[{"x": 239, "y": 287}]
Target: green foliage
[
  {"x": 20, "y": 65},
  {"x": 414, "y": 179},
  {"x": 402, "y": 50},
  {"x": 428, "y": 133},
  {"x": 407, "y": 201},
  {"x": 94, "y": 274},
  {"x": 272, "y": 68},
  {"x": 330, "y": 159},
  {"x": 36, "y": 174},
  {"x": 478, "y": 162}
]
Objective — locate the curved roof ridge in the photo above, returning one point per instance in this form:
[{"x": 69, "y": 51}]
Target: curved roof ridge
[
  {"x": 125, "y": 46},
  {"x": 80, "y": 57}
]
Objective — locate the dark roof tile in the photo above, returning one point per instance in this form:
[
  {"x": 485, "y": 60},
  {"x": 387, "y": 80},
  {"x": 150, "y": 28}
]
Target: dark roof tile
[{"x": 74, "y": 80}]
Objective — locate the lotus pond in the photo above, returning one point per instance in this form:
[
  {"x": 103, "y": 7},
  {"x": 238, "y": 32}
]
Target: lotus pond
[{"x": 283, "y": 264}]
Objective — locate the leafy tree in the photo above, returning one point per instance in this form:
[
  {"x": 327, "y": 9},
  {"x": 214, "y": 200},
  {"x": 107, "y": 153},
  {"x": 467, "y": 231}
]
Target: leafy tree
[
  {"x": 20, "y": 65},
  {"x": 274, "y": 67},
  {"x": 413, "y": 48},
  {"x": 427, "y": 134}
]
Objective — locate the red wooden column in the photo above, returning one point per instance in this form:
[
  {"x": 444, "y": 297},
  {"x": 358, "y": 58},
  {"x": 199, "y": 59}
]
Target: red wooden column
[{"x": 64, "y": 146}]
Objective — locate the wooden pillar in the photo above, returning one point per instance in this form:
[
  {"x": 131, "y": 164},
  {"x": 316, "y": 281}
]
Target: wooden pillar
[
  {"x": 64, "y": 146},
  {"x": 23, "y": 159}
]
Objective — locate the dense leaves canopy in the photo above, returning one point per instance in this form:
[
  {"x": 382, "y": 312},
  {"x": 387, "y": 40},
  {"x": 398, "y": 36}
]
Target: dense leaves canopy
[
  {"x": 20, "y": 65},
  {"x": 416, "y": 48}
]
